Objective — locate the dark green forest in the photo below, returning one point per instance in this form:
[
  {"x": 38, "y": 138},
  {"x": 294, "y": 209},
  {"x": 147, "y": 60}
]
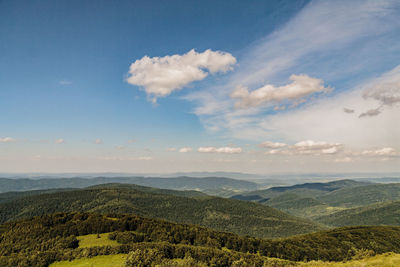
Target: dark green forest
[
  {"x": 42, "y": 240},
  {"x": 189, "y": 228},
  {"x": 231, "y": 215}
]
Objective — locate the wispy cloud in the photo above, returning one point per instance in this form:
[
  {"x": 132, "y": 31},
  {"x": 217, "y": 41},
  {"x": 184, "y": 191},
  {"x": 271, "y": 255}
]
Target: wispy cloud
[{"x": 317, "y": 42}]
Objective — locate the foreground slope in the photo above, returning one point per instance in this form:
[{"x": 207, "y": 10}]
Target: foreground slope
[
  {"x": 43, "y": 240},
  {"x": 236, "y": 216}
]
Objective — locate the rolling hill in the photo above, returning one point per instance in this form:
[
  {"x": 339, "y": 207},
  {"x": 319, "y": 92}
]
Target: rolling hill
[
  {"x": 231, "y": 215},
  {"x": 376, "y": 214},
  {"x": 362, "y": 195},
  {"x": 304, "y": 190}
]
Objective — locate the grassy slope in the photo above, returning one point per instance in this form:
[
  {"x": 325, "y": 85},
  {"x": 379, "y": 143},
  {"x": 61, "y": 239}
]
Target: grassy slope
[
  {"x": 94, "y": 240},
  {"x": 383, "y": 260},
  {"x": 98, "y": 261},
  {"x": 240, "y": 217}
]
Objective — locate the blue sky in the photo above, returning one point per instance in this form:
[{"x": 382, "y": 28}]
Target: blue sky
[{"x": 285, "y": 86}]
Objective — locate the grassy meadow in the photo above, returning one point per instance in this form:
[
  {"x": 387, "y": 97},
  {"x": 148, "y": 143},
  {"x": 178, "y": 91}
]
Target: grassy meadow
[
  {"x": 96, "y": 240},
  {"x": 98, "y": 261}
]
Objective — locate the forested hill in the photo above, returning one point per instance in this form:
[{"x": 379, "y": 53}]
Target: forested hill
[
  {"x": 235, "y": 216},
  {"x": 377, "y": 214},
  {"x": 177, "y": 183},
  {"x": 362, "y": 195},
  {"x": 42, "y": 240}
]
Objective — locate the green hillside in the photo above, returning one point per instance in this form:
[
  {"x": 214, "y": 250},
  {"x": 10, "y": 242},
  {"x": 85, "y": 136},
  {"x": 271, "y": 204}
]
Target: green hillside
[
  {"x": 332, "y": 203},
  {"x": 376, "y": 214},
  {"x": 236, "y": 216},
  {"x": 52, "y": 238},
  {"x": 362, "y": 195},
  {"x": 4, "y": 197},
  {"x": 289, "y": 201},
  {"x": 306, "y": 207}
]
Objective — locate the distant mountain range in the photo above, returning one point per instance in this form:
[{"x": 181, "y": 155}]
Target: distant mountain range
[{"x": 177, "y": 183}]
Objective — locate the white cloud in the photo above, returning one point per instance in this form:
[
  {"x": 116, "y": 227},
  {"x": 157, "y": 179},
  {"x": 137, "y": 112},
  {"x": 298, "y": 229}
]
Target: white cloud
[
  {"x": 307, "y": 147},
  {"x": 386, "y": 151},
  {"x": 171, "y": 149},
  {"x": 98, "y": 141},
  {"x": 279, "y": 152},
  {"x": 7, "y": 140},
  {"x": 312, "y": 145},
  {"x": 226, "y": 150},
  {"x": 300, "y": 87},
  {"x": 185, "y": 149},
  {"x": 268, "y": 144},
  {"x": 160, "y": 76},
  {"x": 59, "y": 141}
]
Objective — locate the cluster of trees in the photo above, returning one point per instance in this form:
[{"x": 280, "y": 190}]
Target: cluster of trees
[
  {"x": 42, "y": 240},
  {"x": 166, "y": 254}
]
